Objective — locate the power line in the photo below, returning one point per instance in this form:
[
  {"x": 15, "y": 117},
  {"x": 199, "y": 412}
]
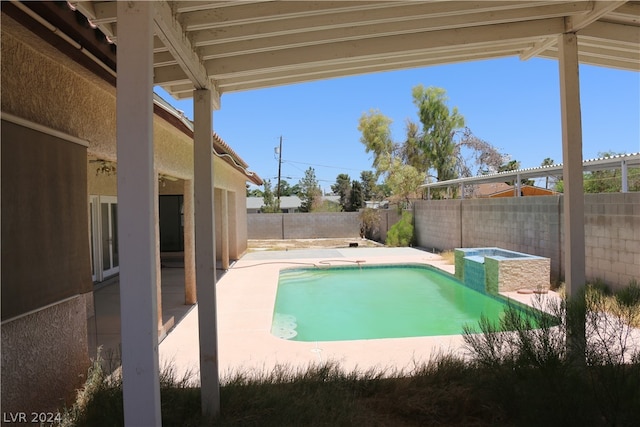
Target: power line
[{"x": 321, "y": 166}]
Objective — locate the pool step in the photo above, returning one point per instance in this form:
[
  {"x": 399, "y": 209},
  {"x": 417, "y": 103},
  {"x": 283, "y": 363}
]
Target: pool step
[{"x": 284, "y": 326}]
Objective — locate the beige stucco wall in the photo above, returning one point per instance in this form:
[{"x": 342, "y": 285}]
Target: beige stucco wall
[{"x": 36, "y": 349}]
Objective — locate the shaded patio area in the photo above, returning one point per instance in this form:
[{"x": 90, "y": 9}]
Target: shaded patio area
[{"x": 104, "y": 327}]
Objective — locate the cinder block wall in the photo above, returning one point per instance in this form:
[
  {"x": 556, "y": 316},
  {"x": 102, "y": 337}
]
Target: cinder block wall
[
  {"x": 388, "y": 217},
  {"x": 612, "y": 237},
  {"x": 437, "y": 224},
  {"x": 303, "y": 225},
  {"x": 534, "y": 225},
  {"x": 316, "y": 225},
  {"x": 321, "y": 225},
  {"x": 265, "y": 226},
  {"x": 523, "y": 224}
]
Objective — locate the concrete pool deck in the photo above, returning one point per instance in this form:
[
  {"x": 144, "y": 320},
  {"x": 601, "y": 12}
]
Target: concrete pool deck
[{"x": 246, "y": 295}]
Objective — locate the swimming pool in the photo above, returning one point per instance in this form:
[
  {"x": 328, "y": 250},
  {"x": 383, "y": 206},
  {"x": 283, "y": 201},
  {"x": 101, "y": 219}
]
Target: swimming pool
[{"x": 372, "y": 302}]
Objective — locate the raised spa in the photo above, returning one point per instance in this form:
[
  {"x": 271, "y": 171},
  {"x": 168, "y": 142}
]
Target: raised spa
[{"x": 495, "y": 270}]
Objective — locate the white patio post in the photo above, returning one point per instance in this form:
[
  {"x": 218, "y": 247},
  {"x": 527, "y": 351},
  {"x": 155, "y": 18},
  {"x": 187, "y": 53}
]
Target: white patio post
[
  {"x": 625, "y": 177},
  {"x": 136, "y": 215},
  {"x": 205, "y": 251},
  {"x": 573, "y": 198}
]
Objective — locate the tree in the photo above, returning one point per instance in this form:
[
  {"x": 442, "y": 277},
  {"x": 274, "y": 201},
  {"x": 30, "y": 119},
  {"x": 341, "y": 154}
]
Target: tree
[
  {"x": 356, "y": 200},
  {"x": 548, "y": 161},
  {"x": 342, "y": 188},
  {"x": 256, "y": 192},
  {"x": 402, "y": 179},
  {"x": 439, "y": 126},
  {"x": 412, "y": 152},
  {"x": 376, "y": 137},
  {"x": 610, "y": 181},
  {"x": 285, "y": 188},
  {"x": 270, "y": 205},
  {"x": 310, "y": 192},
  {"x": 429, "y": 146},
  {"x": 514, "y": 165},
  {"x": 368, "y": 181},
  {"x": 511, "y": 165},
  {"x": 473, "y": 150}
]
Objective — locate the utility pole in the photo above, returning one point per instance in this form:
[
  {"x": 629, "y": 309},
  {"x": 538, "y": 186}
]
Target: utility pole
[{"x": 279, "y": 170}]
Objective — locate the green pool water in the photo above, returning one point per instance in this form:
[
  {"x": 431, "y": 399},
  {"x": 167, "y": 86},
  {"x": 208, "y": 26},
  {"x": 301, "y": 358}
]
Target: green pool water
[{"x": 371, "y": 302}]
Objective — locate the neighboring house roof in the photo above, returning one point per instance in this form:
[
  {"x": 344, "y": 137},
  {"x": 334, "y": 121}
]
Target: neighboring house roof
[
  {"x": 255, "y": 202},
  {"x": 527, "y": 190},
  {"x": 487, "y": 189},
  {"x": 286, "y": 202},
  {"x": 377, "y": 204},
  {"x": 332, "y": 199}
]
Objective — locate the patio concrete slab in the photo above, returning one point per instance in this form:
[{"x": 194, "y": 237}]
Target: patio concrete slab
[{"x": 245, "y": 300}]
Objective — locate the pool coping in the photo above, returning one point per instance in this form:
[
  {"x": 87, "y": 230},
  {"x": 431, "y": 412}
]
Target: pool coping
[{"x": 246, "y": 296}]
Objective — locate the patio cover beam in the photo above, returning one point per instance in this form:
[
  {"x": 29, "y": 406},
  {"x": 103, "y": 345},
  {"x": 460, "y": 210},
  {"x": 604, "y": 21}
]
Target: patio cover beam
[
  {"x": 170, "y": 31},
  {"x": 136, "y": 215},
  {"x": 574, "y": 24},
  {"x": 348, "y": 51}
]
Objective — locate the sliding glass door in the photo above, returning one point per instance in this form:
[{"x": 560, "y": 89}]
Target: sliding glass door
[{"x": 104, "y": 236}]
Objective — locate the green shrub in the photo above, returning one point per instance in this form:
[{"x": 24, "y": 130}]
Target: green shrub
[
  {"x": 629, "y": 296},
  {"x": 401, "y": 233}
]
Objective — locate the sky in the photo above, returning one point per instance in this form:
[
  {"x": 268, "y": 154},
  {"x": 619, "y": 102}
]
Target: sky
[{"x": 514, "y": 105}]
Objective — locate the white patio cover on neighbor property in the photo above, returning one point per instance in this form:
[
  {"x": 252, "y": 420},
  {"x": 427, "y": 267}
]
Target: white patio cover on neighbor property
[
  {"x": 204, "y": 49},
  {"x": 621, "y": 161}
]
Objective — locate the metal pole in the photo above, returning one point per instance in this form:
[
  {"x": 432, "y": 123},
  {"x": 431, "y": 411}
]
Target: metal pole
[
  {"x": 279, "y": 170},
  {"x": 625, "y": 177}
]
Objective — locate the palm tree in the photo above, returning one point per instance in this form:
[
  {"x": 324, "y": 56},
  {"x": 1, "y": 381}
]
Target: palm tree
[{"x": 547, "y": 162}]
